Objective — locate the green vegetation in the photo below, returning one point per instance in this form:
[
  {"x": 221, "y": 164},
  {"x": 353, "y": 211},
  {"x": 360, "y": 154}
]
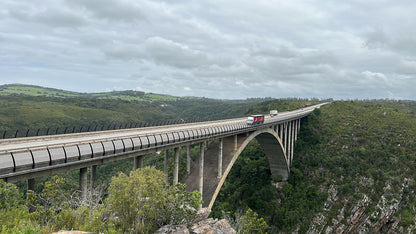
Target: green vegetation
[
  {"x": 346, "y": 151},
  {"x": 352, "y": 159},
  {"x": 138, "y": 203}
]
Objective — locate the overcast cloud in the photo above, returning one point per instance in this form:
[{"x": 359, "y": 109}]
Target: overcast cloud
[{"x": 221, "y": 49}]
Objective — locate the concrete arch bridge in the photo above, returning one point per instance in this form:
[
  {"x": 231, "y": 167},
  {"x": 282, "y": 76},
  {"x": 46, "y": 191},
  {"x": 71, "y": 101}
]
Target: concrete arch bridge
[{"x": 24, "y": 159}]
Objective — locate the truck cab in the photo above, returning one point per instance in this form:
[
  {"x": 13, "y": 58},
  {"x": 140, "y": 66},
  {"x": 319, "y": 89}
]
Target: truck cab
[
  {"x": 273, "y": 113},
  {"x": 255, "y": 119}
]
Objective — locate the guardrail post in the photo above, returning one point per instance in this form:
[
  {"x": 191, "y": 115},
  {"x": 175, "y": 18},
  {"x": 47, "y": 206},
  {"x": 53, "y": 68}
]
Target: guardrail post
[
  {"x": 165, "y": 168},
  {"x": 188, "y": 159},
  {"x": 176, "y": 166},
  {"x": 83, "y": 180},
  {"x": 220, "y": 158},
  {"x": 201, "y": 171}
]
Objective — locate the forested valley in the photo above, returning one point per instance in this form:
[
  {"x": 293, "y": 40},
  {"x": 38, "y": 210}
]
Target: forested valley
[{"x": 353, "y": 169}]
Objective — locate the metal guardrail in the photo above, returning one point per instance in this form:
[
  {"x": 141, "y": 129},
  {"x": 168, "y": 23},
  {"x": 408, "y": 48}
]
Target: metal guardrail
[{"x": 18, "y": 133}]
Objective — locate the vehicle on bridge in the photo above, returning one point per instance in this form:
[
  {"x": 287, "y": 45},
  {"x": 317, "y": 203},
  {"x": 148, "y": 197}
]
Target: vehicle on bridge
[
  {"x": 273, "y": 113},
  {"x": 255, "y": 119}
]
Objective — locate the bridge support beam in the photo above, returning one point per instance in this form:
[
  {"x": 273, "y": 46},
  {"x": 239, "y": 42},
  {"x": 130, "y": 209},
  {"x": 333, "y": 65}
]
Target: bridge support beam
[
  {"x": 31, "y": 184},
  {"x": 235, "y": 142},
  {"x": 285, "y": 136},
  {"x": 292, "y": 142},
  {"x": 93, "y": 179},
  {"x": 138, "y": 162},
  {"x": 220, "y": 158},
  {"x": 188, "y": 159},
  {"x": 83, "y": 183},
  {"x": 296, "y": 130},
  {"x": 201, "y": 171},
  {"x": 165, "y": 167},
  {"x": 176, "y": 166},
  {"x": 289, "y": 148}
]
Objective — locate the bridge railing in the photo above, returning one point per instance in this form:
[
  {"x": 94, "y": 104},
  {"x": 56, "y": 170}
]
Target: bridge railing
[{"x": 31, "y": 132}]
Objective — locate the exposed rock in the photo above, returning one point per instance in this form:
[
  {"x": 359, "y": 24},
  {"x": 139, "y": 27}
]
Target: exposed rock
[
  {"x": 211, "y": 226},
  {"x": 202, "y": 214},
  {"x": 177, "y": 229}
]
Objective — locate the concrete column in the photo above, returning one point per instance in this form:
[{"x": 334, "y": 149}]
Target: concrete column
[
  {"x": 299, "y": 125},
  {"x": 201, "y": 171},
  {"x": 220, "y": 158},
  {"x": 176, "y": 166},
  {"x": 93, "y": 179},
  {"x": 285, "y": 136},
  {"x": 165, "y": 168},
  {"x": 83, "y": 183},
  {"x": 138, "y": 162},
  {"x": 281, "y": 132},
  {"x": 235, "y": 142},
  {"x": 296, "y": 130},
  {"x": 289, "y": 150},
  {"x": 292, "y": 141},
  {"x": 31, "y": 184},
  {"x": 188, "y": 159}
]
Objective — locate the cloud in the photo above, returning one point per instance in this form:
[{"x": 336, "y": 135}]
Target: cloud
[
  {"x": 224, "y": 49},
  {"x": 128, "y": 11}
]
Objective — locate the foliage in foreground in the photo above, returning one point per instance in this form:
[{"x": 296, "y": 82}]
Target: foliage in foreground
[{"x": 138, "y": 203}]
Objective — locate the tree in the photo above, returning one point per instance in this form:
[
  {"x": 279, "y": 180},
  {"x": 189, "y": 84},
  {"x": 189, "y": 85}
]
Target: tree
[
  {"x": 251, "y": 223},
  {"x": 143, "y": 201}
]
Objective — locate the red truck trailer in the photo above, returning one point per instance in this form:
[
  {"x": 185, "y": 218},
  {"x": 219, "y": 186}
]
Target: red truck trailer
[{"x": 255, "y": 119}]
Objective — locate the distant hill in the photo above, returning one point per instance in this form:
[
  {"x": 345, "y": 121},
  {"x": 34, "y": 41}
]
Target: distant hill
[{"x": 129, "y": 95}]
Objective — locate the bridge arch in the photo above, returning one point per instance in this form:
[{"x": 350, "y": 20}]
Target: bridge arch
[{"x": 273, "y": 149}]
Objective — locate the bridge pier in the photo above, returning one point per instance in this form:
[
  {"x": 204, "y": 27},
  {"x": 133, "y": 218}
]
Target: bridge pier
[
  {"x": 138, "y": 162},
  {"x": 176, "y": 165},
  {"x": 83, "y": 183},
  {"x": 165, "y": 167},
  {"x": 188, "y": 159},
  {"x": 221, "y": 143},
  {"x": 289, "y": 148},
  {"x": 235, "y": 142},
  {"x": 93, "y": 178},
  {"x": 201, "y": 171},
  {"x": 31, "y": 184}
]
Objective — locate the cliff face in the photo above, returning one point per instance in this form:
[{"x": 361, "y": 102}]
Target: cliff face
[
  {"x": 361, "y": 219},
  {"x": 364, "y": 161}
]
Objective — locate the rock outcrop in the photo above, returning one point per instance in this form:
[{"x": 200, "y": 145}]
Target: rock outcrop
[{"x": 210, "y": 225}]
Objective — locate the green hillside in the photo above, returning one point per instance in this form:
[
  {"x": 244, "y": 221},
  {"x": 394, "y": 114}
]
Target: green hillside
[
  {"x": 32, "y": 107},
  {"x": 353, "y": 171},
  {"x": 32, "y": 90}
]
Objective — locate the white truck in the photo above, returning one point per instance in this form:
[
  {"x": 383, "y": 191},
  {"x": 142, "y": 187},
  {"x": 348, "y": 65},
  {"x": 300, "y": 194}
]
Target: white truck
[{"x": 273, "y": 113}]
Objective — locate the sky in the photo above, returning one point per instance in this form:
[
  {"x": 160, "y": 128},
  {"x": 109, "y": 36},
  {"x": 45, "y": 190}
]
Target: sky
[{"x": 234, "y": 49}]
